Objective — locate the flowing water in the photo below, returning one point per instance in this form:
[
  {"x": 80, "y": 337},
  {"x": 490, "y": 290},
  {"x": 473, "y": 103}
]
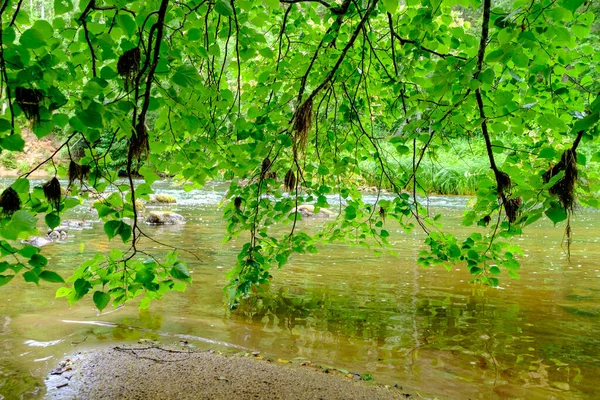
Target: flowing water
[{"x": 429, "y": 331}]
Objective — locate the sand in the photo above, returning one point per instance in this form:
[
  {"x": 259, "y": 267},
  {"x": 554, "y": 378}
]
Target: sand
[{"x": 146, "y": 372}]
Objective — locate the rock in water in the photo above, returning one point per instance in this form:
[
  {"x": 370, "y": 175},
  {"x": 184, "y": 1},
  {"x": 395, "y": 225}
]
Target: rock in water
[
  {"x": 164, "y": 218},
  {"x": 162, "y": 199},
  {"x": 37, "y": 241},
  {"x": 308, "y": 211}
]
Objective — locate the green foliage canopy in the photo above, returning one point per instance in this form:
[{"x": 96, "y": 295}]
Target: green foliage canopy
[{"x": 287, "y": 98}]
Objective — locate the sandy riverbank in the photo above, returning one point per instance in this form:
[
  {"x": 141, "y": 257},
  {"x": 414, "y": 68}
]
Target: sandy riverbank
[{"x": 146, "y": 372}]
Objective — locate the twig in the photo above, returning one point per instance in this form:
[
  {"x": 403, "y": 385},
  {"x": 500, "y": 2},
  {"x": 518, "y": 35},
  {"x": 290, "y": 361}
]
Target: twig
[{"x": 25, "y": 175}]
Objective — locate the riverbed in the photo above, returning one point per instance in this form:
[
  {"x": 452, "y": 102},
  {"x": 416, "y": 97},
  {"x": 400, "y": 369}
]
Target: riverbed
[{"x": 429, "y": 330}]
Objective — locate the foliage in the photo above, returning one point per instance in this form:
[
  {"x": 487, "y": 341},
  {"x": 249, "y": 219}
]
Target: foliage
[
  {"x": 452, "y": 171},
  {"x": 308, "y": 90}
]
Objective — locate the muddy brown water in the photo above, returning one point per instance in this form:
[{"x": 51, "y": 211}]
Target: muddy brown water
[{"x": 430, "y": 330}]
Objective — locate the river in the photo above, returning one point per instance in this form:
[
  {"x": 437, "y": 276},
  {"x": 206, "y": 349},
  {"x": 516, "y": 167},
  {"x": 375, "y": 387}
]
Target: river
[{"x": 428, "y": 330}]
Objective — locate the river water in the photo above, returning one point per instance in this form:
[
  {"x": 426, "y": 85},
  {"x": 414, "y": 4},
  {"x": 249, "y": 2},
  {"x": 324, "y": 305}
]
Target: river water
[{"x": 429, "y": 331}]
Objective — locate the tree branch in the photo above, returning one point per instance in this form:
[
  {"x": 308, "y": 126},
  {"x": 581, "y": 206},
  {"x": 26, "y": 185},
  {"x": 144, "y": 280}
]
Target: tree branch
[
  {"x": 159, "y": 27},
  {"x": 82, "y": 19},
  {"x": 322, "y": 2},
  {"x": 334, "y": 27},
  {"x": 414, "y": 42},
  {"x": 350, "y": 43},
  {"x": 14, "y": 18}
]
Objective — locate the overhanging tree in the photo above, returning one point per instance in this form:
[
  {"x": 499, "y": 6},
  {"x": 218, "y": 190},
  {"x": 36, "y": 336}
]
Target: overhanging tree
[{"x": 290, "y": 97}]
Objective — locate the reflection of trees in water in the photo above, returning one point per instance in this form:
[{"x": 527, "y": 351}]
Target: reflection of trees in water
[
  {"x": 277, "y": 309},
  {"x": 447, "y": 318},
  {"x": 473, "y": 330},
  {"x": 18, "y": 383}
]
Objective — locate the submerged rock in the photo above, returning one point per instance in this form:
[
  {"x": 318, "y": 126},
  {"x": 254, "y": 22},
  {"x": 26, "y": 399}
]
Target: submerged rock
[
  {"x": 162, "y": 199},
  {"x": 308, "y": 211},
  {"x": 37, "y": 241},
  {"x": 164, "y": 218}
]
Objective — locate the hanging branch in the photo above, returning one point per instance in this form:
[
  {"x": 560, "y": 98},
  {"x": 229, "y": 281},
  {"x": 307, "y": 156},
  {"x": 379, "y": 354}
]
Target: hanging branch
[
  {"x": 139, "y": 129},
  {"x": 342, "y": 56},
  {"x": 390, "y": 22},
  {"x": 502, "y": 179},
  {"x": 83, "y": 20},
  {"x": 332, "y": 30},
  {"x": 14, "y": 18},
  {"x": 237, "y": 53},
  {"x": 302, "y": 118}
]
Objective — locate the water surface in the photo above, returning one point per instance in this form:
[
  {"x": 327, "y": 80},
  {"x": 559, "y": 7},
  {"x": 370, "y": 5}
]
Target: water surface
[{"x": 430, "y": 331}]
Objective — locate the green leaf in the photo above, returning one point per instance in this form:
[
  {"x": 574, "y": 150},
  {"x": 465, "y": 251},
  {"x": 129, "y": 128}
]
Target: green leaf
[
  {"x": 402, "y": 149},
  {"x": 350, "y": 213},
  {"x": 390, "y": 5},
  {"x": 5, "y": 125},
  {"x": 23, "y": 221},
  {"x": 475, "y": 270},
  {"x": 50, "y": 276},
  {"x": 149, "y": 174},
  {"x": 572, "y": 5},
  {"x": 108, "y": 73},
  {"x": 12, "y": 142},
  {"x": 103, "y": 210},
  {"x": 520, "y": 60},
  {"x": 146, "y": 278},
  {"x": 91, "y": 118},
  {"x": 101, "y": 300},
  {"x": 586, "y": 122},
  {"x": 186, "y": 76},
  {"x": 32, "y": 39},
  {"x": 494, "y": 270},
  {"x": 63, "y": 292},
  {"x": 180, "y": 271},
  {"x": 28, "y": 251},
  {"x": 112, "y": 228},
  {"x": 595, "y": 106},
  {"x": 38, "y": 261},
  {"x": 272, "y": 3},
  {"x": 323, "y": 170},
  {"x": 548, "y": 152},
  {"x": 21, "y": 186},
  {"x": 125, "y": 232},
  {"x": 127, "y": 23},
  {"x": 556, "y": 213},
  {"x": 224, "y": 8},
  {"x": 82, "y": 287},
  {"x": 473, "y": 255},
  {"x": 495, "y": 55},
  {"x": 44, "y": 27},
  {"x": 31, "y": 276},
  {"x": 52, "y": 220},
  {"x": 554, "y": 179},
  {"x": 194, "y": 34},
  {"x": 4, "y": 279},
  {"x": 62, "y": 6},
  {"x": 454, "y": 251}
]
